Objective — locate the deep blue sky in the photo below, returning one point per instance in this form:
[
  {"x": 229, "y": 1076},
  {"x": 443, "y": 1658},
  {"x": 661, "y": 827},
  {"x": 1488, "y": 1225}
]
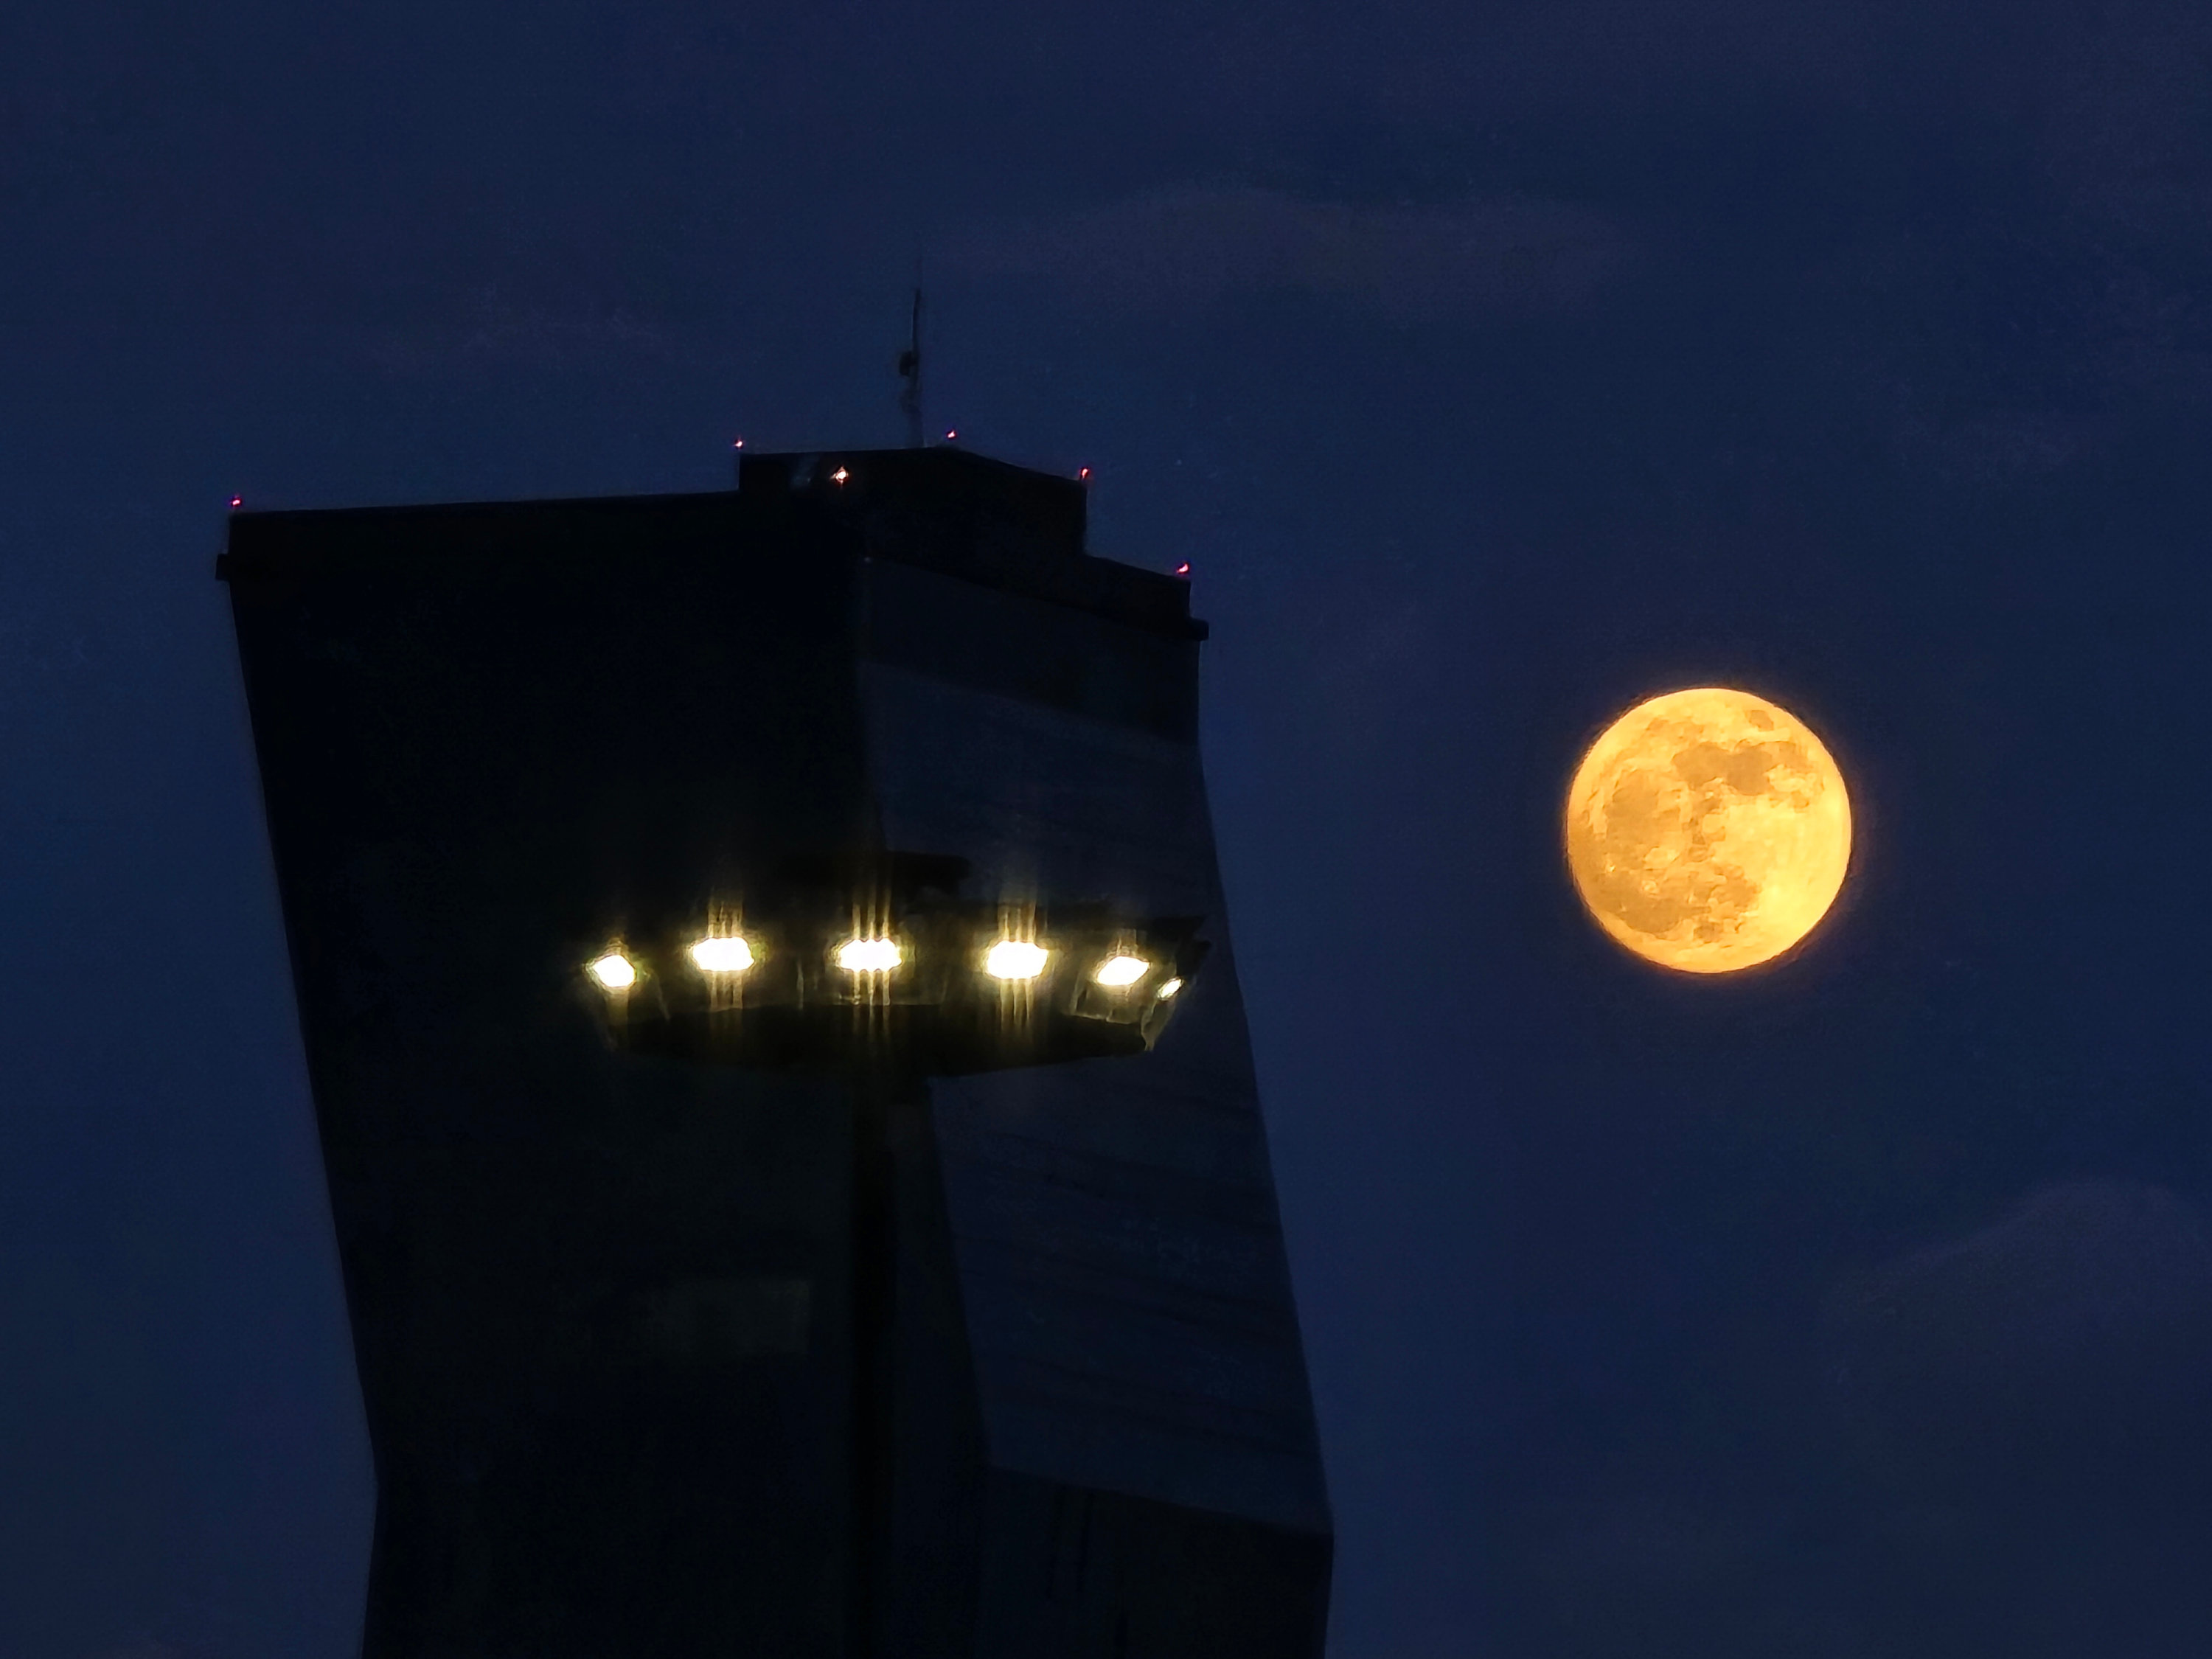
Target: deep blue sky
[{"x": 1494, "y": 366}]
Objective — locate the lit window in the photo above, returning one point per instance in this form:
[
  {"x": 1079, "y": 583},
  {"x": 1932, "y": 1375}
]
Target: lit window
[
  {"x": 868, "y": 955},
  {"x": 1170, "y": 989},
  {"x": 722, "y": 956},
  {"x": 613, "y": 971},
  {"x": 839, "y": 475},
  {"x": 1011, "y": 958},
  {"x": 1118, "y": 972}
]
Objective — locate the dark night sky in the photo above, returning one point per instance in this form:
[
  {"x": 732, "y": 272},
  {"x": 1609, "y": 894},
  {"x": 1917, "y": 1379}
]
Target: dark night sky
[{"x": 1495, "y": 366}]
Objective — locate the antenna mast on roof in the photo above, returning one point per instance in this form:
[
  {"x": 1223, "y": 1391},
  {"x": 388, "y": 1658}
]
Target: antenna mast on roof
[{"x": 910, "y": 367}]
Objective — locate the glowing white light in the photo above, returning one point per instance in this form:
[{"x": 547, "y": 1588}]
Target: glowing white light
[
  {"x": 722, "y": 956},
  {"x": 613, "y": 971},
  {"x": 1170, "y": 989},
  {"x": 1119, "y": 971},
  {"x": 839, "y": 475},
  {"x": 868, "y": 955},
  {"x": 1011, "y": 958}
]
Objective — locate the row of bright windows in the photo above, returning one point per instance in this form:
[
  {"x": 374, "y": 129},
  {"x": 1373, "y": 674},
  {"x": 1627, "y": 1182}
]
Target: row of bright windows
[{"x": 1009, "y": 959}]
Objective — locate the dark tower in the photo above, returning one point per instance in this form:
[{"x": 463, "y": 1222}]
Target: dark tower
[{"x": 805, "y": 1309}]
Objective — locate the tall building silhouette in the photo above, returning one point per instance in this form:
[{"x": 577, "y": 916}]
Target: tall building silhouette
[{"x": 796, "y": 1296}]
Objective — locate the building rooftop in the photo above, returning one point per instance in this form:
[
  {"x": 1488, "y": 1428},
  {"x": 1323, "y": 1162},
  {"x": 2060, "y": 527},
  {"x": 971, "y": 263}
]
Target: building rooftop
[{"x": 941, "y": 508}]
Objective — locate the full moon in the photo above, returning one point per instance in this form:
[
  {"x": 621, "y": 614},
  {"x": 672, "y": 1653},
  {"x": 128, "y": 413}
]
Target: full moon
[{"x": 1708, "y": 831}]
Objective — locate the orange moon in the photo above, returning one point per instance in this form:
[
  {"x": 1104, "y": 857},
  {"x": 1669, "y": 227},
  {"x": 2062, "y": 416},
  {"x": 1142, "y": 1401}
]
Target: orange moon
[{"x": 1708, "y": 831}]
